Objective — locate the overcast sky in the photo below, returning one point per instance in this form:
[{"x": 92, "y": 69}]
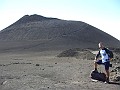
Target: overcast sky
[{"x": 103, "y": 14}]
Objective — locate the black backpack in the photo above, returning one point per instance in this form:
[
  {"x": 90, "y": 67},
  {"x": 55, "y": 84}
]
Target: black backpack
[
  {"x": 109, "y": 52},
  {"x": 98, "y": 76}
]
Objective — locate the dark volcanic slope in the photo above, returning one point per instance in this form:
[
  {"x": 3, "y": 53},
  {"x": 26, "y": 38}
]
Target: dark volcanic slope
[{"x": 56, "y": 32}]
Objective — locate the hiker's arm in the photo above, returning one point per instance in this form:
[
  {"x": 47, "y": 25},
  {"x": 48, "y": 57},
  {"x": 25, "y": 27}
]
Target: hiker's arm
[
  {"x": 111, "y": 59},
  {"x": 107, "y": 51},
  {"x": 97, "y": 55}
]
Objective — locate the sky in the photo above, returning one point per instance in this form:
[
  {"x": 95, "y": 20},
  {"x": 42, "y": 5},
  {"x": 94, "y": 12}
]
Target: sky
[{"x": 102, "y": 14}]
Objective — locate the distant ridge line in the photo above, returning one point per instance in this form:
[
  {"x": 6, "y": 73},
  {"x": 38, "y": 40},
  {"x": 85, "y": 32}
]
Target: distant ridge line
[{"x": 55, "y": 31}]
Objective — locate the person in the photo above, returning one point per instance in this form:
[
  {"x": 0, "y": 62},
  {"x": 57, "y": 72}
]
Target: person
[{"x": 105, "y": 60}]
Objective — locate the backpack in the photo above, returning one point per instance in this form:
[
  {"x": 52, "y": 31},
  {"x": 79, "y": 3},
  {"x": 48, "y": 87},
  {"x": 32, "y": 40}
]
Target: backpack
[
  {"x": 109, "y": 52},
  {"x": 98, "y": 76}
]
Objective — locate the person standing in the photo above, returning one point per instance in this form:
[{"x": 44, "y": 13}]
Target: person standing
[{"x": 105, "y": 60}]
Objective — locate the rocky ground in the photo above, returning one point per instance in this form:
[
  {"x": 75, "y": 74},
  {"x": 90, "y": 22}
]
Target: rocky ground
[{"x": 54, "y": 70}]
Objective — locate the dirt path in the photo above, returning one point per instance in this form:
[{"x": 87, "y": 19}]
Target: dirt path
[{"x": 36, "y": 71}]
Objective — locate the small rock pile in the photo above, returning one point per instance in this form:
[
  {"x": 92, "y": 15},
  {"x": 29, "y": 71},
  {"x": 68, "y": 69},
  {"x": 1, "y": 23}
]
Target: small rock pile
[{"x": 77, "y": 53}]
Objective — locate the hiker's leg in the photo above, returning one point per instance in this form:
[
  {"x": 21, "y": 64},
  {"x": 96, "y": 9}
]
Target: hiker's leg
[
  {"x": 107, "y": 73},
  {"x": 107, "y": 64},
  {"x": 107, "y": 76},
  {"x": 97, "y": 63}
]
